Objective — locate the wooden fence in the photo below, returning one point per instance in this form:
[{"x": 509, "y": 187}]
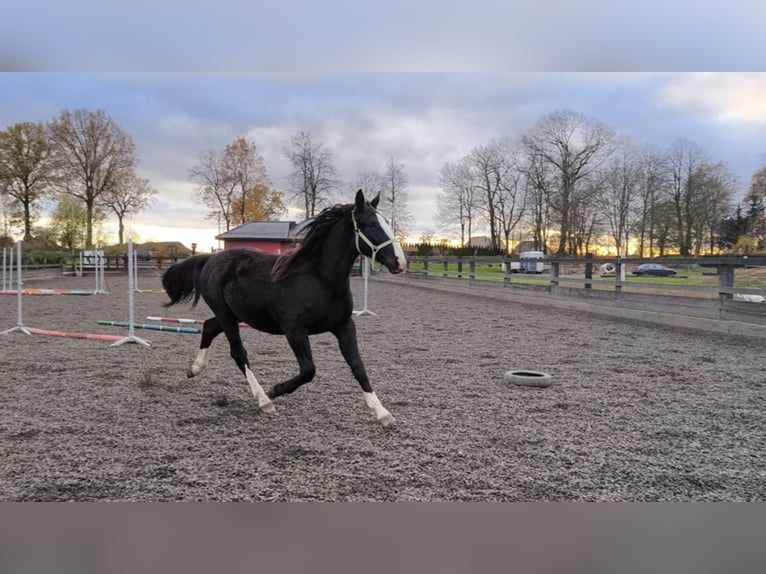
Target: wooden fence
[{"x": 577, "y": 279}]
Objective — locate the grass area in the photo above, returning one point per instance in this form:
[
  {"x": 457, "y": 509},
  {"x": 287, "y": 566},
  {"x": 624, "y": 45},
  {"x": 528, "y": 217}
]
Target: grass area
[{"x": 693, "y": 275}]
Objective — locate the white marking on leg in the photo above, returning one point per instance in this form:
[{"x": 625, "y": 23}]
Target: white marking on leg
[
  {"x": 264, "y": 402},
  {"x": 378, "y": 411},
  {"x": 200, "y": 362}
]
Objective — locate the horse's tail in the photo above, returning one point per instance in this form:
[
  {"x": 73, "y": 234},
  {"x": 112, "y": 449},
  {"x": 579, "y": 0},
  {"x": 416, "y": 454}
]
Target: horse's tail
[{"x": 182, "y": 279}]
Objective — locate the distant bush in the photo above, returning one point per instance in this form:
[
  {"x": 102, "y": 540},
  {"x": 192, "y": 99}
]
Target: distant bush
[{"x": 428, "y": 250}]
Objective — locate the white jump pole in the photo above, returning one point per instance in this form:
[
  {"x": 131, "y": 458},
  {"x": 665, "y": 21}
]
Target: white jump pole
[
  {"x": 366, "y": 273},
  {"x": 131, "y": 338},
  {"x": 10, "y": 268},
  {"x": 100, "y": 274},
  {"x": 19, "y": 321},
  {"x": 135, "y": 269},
  {"x": 5, "y": 284}
]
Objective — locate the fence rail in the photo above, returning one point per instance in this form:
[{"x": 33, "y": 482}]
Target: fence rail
[{"x": 573, "y": 279}]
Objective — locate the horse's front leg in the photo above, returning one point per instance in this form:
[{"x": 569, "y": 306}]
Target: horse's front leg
[{"x": 346, "y": 335}]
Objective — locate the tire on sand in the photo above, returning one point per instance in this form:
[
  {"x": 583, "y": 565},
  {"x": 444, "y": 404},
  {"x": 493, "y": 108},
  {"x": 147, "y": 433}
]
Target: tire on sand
[{"x": 527, "y": 378}]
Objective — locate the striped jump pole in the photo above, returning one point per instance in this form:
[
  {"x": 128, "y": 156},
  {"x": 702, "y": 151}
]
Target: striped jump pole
[
  {"x": 176, "y": 320},
  {"x": 49, "y": 292},
  {"x": 131, "y": 338},
  {"x": 151, "y": 327},
  {"x": 92, "y": 336},
  {"x": 20, "y": 328}
]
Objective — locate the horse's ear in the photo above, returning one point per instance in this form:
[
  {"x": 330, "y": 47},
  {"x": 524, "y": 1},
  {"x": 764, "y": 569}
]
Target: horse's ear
[
  {"x": 375, "y": 200},
  {"x": 359, "y": 199}
]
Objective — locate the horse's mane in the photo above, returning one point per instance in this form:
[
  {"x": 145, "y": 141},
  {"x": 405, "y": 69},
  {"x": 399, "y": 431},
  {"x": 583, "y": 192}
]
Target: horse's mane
[{"x": 314, "y": 235}]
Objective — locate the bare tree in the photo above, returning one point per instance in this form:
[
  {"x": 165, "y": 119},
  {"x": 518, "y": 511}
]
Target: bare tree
[
  {"x": 664, "y": 226},
  {"x": 574, "y": 146},
  {"x": 394, "y": 197},
  {"x": 618, "y": 192},
  {"x": 370, "y": 181},
  {"x": 25, "y": 171},
  {"x": 714, "y": 186},
  {"x": 127, "y": 196},
  {"x": 488, "y": 169},
  {"x": 91, "y": 152},
  {"x": 755, "y": 199},
  {"x": 684, "y": 158},
  {"x": 654, "y": 188},
  {"x": 512, "y": 199},
  {"x": 540, "y": 183},
  {"x": 587, "y": 220},
  {"x": 214, "y": 191},
  {"x": 455, "y": 204},
  {"x": 313, "y": 178}
]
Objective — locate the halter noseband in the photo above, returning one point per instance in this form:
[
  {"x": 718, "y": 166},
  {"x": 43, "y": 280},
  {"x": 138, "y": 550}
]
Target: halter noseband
[{"x": 359, "y": 235}]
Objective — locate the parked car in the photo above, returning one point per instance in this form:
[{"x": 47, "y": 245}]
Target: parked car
[
  {"x": 141, "y": 255},
  {"x": 654, "y": 269}
]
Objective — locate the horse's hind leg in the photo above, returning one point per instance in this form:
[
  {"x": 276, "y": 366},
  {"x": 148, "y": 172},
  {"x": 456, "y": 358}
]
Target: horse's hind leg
[
  {"x": 299, "y": 343},
  {"x": 346, "y": 335},
  {"x": 210, "y": 330},
  {"x": 231, "y": 328}
]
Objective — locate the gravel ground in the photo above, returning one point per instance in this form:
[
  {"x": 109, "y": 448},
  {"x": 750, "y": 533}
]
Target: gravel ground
[{"x": 637, "y": 412}]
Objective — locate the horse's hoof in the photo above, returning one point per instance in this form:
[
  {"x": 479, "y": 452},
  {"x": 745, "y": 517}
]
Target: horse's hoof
[
  {"x": 190, "y": 373},
  {"x": 387, "y": 420},
  {"x": 268, "y": 408}
]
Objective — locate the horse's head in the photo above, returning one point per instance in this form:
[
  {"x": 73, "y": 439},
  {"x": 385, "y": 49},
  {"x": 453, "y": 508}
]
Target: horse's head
[{"x": 374, "y": 237}]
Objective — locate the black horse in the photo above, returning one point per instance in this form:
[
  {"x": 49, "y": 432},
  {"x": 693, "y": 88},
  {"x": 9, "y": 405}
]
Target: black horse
[{"x": 301, "y": 293}]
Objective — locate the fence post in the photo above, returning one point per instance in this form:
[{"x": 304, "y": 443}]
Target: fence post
[
  {"x": 472, "y": 269},
  {"x": 445, "y": 265},
  {"x": 588, "y": 270},
  {"x": 725, "y": 280},
  {"x": 506, "y": 271},
  {"x": 555, "y": 274},
  {"x": 618, "y": 275},
  {"x": 460, "y": 267},
  {"x": 425, "y": 265}
]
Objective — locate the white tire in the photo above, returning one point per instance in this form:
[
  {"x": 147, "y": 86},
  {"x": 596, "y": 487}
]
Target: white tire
[{"x": 528, "y": 378}]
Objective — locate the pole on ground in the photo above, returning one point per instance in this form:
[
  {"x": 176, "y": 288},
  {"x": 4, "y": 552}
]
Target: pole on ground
[
  {"x": 366, "y": 273},
  {"x": 19, "y": 321},
  {"x": 131, "y": 338}
]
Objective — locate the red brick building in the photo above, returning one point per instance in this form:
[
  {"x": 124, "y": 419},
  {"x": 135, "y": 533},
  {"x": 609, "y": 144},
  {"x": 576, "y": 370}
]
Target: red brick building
[{"x": 273, "y": 236}]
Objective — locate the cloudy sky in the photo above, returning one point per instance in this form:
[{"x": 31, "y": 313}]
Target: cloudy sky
[{"x": 421, "y": 119}]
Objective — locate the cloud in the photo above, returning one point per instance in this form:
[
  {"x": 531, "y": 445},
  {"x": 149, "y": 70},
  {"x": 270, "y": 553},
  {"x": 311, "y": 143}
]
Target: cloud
[{"x": 726, "y": 97}]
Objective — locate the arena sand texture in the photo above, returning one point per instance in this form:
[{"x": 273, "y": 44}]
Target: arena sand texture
[{"x": 636, "y": 412}]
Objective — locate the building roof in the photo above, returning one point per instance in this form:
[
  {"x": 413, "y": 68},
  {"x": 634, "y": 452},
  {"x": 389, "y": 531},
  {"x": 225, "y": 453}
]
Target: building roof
[{"x": 260, "y": 230}]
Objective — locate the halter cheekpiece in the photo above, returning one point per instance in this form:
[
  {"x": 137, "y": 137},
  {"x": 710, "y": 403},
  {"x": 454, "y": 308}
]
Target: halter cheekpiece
[{"x": 359, "y": 235}]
